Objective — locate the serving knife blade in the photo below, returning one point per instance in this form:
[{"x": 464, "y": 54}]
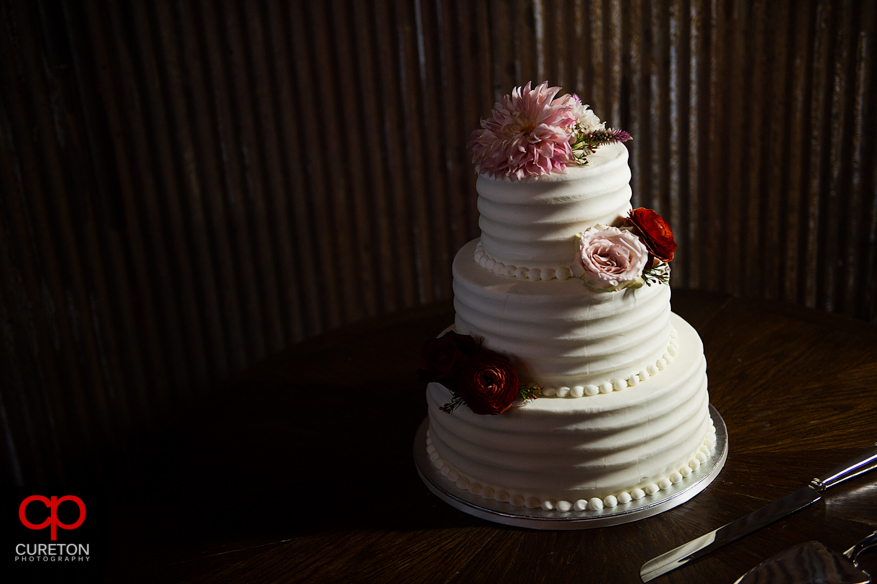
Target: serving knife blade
[
  {"x": 812, "y": 563},
  {"x": 733, "y": 531},
  {"x": 728, "y": 533}
]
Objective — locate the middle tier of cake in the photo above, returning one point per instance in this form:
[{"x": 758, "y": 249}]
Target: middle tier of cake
[{"x": 559, "y": 334}]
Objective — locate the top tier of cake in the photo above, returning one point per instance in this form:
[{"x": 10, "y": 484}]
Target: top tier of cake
[{"x": 533, "y": 223}]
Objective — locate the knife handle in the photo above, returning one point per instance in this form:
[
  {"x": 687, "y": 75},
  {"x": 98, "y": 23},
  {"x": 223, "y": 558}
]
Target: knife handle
[{"x": 852, "y": 468}]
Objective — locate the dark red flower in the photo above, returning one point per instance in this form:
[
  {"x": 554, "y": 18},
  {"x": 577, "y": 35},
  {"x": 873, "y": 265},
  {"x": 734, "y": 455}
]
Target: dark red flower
[
  {"x": 489, "y": 383},
  {"x": 655, "y": 233},
  {"x": 442, "y": 358}
]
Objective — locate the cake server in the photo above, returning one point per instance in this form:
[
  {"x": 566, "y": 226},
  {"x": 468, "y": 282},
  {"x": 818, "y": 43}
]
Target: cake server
[
  {"x": 812, "y": 563},
  {"x": 733, "y": 531}
]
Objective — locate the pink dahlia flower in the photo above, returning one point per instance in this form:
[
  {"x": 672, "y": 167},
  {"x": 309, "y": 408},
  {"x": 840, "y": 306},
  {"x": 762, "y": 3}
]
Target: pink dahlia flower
[{"x": 528, "y": 135}]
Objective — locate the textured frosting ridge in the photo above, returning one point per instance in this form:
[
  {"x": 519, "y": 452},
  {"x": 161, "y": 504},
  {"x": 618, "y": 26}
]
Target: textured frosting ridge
[
  {"x": 510, "y": 271},
  {"x": 532, "y": 223},
  {"x": 517, "y": 499},
  {"x": 623, "y": 444},
  {"x": 558, "y": 333},
  {"x": 621, "y": 383}
]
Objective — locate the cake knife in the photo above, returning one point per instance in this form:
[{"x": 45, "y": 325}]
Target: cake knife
[
  {"x": 811, "y": 563},
  {"x": 757, "y": 519}
]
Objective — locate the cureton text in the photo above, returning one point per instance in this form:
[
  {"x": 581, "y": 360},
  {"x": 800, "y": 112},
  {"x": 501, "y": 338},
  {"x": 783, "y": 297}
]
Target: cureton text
[{"x": 51, "y": 552}]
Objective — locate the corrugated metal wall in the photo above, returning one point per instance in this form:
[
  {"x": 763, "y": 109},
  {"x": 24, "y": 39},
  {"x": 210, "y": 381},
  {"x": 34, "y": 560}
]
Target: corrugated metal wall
[{"x": 188, "y": 187}]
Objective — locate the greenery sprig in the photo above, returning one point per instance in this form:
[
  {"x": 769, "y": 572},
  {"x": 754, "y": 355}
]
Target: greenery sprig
[
  {"x": 586, "y": 143},
  {"x": 452, "y": 405},
  {"x": 659, "y": 274},
  {"x": 529, "y": 392}
]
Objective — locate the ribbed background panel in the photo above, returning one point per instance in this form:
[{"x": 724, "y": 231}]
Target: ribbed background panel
[{"x": 189, "y": 187}]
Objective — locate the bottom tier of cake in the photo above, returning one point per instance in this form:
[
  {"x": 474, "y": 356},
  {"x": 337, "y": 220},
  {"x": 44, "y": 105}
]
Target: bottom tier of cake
[{"x": 582, "y": 453}]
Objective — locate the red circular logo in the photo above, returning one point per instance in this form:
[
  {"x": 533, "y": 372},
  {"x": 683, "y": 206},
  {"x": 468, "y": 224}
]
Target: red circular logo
[{"x": 52, "y": 520}]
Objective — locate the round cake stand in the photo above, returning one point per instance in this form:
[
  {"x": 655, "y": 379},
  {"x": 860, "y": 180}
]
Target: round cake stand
[{"x": 508, "y": 514}]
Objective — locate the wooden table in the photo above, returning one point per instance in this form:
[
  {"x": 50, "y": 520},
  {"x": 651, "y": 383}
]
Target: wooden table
[{"x": 302, "y": 469}]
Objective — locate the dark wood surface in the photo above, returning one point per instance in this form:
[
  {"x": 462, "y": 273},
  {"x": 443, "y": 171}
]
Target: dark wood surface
[{"x": 303, "y": 470}]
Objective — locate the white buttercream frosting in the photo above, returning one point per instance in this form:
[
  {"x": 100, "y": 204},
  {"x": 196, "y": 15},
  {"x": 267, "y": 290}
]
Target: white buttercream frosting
[
  {"x": 560, "y": 334},
  {"x": 509, "y": 271},
  {"x": 615, "y": 447},
  {"x": 624, "y": 412},
  {"x": 532, "y": 224},
  {"x": 625, "y": 445},
  {"x": 594, "y": 503}
]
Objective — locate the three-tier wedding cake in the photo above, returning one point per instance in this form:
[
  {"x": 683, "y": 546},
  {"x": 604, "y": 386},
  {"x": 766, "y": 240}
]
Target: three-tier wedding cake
[{"x": 566, "y": 382}]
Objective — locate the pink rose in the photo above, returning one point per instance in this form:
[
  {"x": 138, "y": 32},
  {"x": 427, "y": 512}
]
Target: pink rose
[{"x": 610, "y": 258}]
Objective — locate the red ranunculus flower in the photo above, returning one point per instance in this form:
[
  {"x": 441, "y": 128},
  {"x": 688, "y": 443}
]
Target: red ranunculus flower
[
  {"x": 489, "y": 383},
  {"x": 655, "y": 233},
  {"x": 442, "y": 358}
]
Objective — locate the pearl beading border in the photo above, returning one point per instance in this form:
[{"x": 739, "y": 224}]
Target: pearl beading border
[
  {"x": 510, "y": 271},
  {"x": 564, "y": 273},
  {"x": 516, "y": 499},
  {"x": 619, "y": 384}
]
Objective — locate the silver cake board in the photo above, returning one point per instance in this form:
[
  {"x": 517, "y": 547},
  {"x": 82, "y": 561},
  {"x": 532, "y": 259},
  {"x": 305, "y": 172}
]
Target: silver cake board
[{"x": 508, "y": 514}]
